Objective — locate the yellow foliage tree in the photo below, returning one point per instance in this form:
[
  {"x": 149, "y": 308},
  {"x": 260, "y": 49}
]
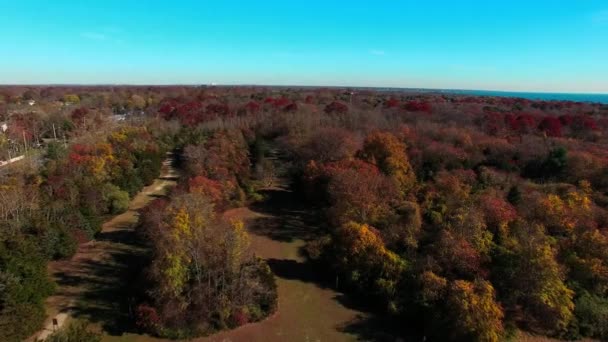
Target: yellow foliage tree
[
  {"x": 534, "y": 279},
  {"x": 363, "y": 257},
  {"x": 475, "y": 313},
  {"x": 177, "y": 260},
  {"x": 390, "y": 154}
]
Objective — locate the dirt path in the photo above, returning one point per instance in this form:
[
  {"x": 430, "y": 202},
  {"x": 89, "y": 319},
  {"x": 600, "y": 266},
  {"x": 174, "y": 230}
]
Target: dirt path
[
  {"x": 309, "y": 310},
  {"x": 89, "y": 285}
]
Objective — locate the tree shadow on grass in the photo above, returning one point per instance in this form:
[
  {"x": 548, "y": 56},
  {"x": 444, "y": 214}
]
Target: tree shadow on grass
[
  {"x": 156, "y": 196},
  {"x": 122, "y": 236},
  {"x": 366, "y": 327},
  {"x": 169, "y": 178},
  {"x": 373, "y": 328},
  {"x": 295, "y": 270},
  {"x": 102, "y": 282},
  {"x": 286, "y": 217},
  {"x": 106, "y": 283}
]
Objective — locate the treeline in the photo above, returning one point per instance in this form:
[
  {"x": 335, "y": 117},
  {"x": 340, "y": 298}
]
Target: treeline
[
  {"x": 460, "y": 218},
  {"x": 456, "y": 240},
  {"x": 203, "y": 276},
  {"x": 49, "y": 205}
]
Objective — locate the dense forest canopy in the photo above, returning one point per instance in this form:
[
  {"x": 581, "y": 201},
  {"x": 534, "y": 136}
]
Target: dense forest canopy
[{"x": 456, "y": 217}]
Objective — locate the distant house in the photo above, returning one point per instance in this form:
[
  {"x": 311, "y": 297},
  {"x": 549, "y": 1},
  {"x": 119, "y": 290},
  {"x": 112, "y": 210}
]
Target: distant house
[
  {"x": 3, "y": 127},
  {"x": 31, "y": 102},
  {"x": 119, "y": 117}
]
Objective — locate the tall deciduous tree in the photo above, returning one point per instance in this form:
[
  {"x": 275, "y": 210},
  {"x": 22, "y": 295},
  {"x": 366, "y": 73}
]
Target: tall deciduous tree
[
  {"x": 528, "y": 276},
  {"x": 204, "y": 274},
  {"x": 390, "y": 155},
  {"x": 474, "y": 312}
]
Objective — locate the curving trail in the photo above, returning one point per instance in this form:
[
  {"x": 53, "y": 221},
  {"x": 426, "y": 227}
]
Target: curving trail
[
  {"x": 89, "y": 283},
  {"x": 309, "y": 310}
]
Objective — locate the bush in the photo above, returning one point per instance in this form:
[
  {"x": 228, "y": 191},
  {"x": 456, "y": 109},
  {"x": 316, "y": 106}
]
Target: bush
[
  {"x": 59, "y": 243},
  {"x": 592, "y": 315},
  {"x": 24, "y": 285},
  {"x": 89, "y": 221},
  {"x": 19, "y": 321},
  {"x": 267, "y": 300},
  {"x": 117, "y": 200},
  {"x": 76, "y": 331},
  {"x": 147, "y": 319}
]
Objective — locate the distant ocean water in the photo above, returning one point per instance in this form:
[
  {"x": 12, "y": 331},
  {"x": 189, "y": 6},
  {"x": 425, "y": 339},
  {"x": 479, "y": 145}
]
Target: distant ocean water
[
  {"x": 578, "y": 97},
  {"x": 599, "y": 98}
]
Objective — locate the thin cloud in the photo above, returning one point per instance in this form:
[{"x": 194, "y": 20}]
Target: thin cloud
[
  {"x": 108, "y": 34},
  {"x": 377, "y": 52},
  {"x": 94, "y": 36}
]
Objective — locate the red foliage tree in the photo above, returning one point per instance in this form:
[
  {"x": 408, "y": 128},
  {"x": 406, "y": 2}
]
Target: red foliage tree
[
  {"x": 392, "y": 103},
  {"x": 211, "y": 188},
  {"x": 493, "y": 123},
  {"x": 78, "y": 114},
  {"x": 566, "y": 119},
  {"x": 584, "y": 123},
  {"x": 497, "y": 211},
  {"x": 292, "y": 107},
  {"x": 215, "y": 110},
  {"x": 252, "y": 107},
  {"x": 147, "y": 319},
  {"x": 281, "y": 102},
  {"x": 418, "y": 106},
  {"x": 457, "y": 256},
  {"x": 526, "y": 121},
  {"x": 190, "y": 114},
  {"x": 167, "y": 109},
  {"x": 551, "y": 126},
  {"x": 239, "y": 317},
  {"x": 523, "y": 123},
  {"x": 336, "y": 108}
]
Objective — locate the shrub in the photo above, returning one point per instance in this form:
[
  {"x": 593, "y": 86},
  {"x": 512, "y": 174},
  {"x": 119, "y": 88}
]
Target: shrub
[
  {"x": 77, "y": 331},
  {"x": 117, "y": 200},
  {"x": 147, "y": 319},
  {"x": 592, "y": 316},
  {"x": 24, "y": 285}
]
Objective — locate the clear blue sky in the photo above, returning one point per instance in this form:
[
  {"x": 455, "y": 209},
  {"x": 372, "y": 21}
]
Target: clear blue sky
[{"x": 532, "y": 45}]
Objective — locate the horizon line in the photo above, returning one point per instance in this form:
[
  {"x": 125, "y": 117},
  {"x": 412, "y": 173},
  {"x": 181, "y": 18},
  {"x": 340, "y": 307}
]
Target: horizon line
[{"x": 292, "y": 85}]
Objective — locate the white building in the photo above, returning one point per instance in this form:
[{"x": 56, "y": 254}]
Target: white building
[{"x": 119, "y": 117}]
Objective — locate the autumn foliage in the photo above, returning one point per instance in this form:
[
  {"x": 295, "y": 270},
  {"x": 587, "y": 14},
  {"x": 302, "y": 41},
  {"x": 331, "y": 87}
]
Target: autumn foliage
[{"x": 455, "y": 217}]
